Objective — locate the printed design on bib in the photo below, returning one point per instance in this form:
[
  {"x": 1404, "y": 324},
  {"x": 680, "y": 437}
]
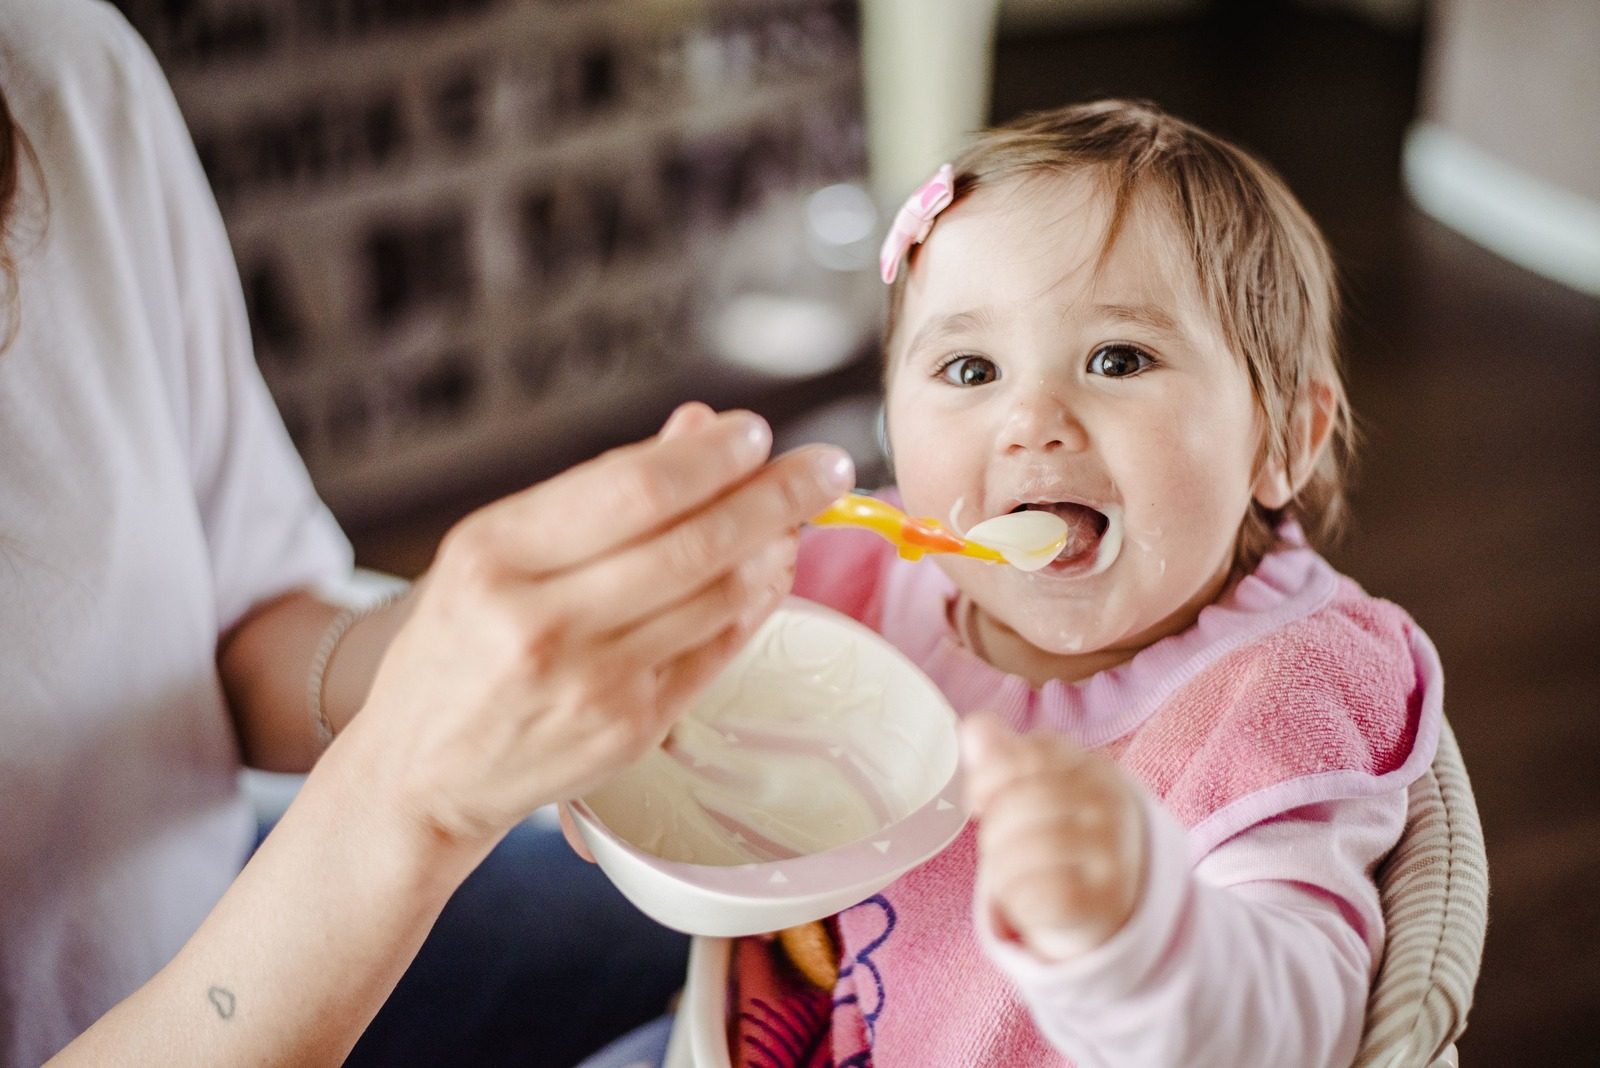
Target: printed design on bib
[
  {"x": 868, "y": 996},
  {"x": 790, "y": 1034}
]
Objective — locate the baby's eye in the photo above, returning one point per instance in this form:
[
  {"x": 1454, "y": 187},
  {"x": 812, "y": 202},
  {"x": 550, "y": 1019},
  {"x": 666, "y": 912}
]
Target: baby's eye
[
  {"x": 1118, "y": 361},
  {"x": 969, "y": 371}
]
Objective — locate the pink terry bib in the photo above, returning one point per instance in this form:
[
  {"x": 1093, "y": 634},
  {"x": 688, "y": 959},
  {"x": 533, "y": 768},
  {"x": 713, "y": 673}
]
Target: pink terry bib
[{"x": 1298, "y": 688}]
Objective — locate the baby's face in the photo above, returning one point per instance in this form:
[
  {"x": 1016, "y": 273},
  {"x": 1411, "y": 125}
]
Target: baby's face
[{"x": 1019, "y": 375}]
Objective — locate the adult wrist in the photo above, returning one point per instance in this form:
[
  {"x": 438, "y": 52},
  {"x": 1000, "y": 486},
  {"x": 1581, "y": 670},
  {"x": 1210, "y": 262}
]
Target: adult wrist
[
  {"x": 346, "y": 658},
  {"x": 360, "y": 778}
]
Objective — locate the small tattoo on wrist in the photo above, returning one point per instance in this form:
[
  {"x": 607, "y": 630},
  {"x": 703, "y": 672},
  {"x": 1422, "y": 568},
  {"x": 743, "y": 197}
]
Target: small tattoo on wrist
[{"x": 222, "y": 1001}]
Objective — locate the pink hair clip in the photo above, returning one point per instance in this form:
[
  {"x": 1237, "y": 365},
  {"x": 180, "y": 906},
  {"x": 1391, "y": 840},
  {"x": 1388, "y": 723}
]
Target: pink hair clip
[{"x": 914, "y": 219}]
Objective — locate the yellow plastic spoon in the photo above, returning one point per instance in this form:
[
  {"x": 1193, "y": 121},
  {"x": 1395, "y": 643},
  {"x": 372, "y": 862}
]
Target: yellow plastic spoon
[{"x": 1026, "y": 540}]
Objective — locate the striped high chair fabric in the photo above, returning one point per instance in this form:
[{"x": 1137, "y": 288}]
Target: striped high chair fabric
[{"x": 1435, "y": 893}]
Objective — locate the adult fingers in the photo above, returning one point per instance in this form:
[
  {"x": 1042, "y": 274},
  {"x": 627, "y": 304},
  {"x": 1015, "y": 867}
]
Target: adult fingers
[
  {"x": 622, "y": 495},
  {"x": 741, "y": 595},
  {"x": 682, "y": 680},
  {"x": 684, "y": 418},
  {"x": 644, "y": 579}
]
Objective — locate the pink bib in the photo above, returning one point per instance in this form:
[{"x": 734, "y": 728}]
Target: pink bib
[{"x": 1296, "y": 688}]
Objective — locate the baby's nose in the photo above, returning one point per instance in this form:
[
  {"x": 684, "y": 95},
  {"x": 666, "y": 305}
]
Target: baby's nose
[{"x": 1042, "y": 423}]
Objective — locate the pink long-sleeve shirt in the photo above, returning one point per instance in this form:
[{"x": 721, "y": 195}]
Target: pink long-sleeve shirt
[{"x": 1274, "y": 738}]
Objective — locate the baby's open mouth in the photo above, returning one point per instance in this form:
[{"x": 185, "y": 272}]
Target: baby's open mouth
[{"x": 1093, "y": 537}]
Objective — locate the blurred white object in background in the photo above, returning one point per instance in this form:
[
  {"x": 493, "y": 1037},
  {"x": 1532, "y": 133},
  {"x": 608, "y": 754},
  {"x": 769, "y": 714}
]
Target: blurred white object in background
[
  {"x": 1534, "y": 224},
  {"x": 478, "y": 234},
  {"x": 928, "y": 66},
  {"x": 795, "y": 293},
  {"x": 1507, "y": 149},
  {"x": 783, "y": 335},
  {"x": 793, "y": 314},
  {"x": 841, "y": 227}
]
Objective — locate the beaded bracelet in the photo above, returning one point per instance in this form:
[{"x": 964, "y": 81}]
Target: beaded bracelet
[{"x": 337, "y": 629}]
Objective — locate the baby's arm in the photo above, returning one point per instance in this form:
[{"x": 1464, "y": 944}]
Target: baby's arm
[{"x": 1261, "y": 954}]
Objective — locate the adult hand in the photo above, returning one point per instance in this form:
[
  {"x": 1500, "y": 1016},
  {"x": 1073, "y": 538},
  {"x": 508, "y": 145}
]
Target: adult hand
[
  {"x": 1061, "y": 844},
  {"x": 562, "y": 630}
]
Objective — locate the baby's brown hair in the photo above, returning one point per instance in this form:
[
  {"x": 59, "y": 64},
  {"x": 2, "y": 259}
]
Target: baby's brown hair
[{"x": 1262, "y": 266}]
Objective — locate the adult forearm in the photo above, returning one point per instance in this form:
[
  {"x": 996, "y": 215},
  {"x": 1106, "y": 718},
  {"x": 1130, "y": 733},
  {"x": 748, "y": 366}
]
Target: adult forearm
[
  {"x": 266, "y": 664},
  {"x": 301, "y": 951}
]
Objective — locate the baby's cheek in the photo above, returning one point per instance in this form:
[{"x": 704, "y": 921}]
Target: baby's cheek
[
  {"x": 1199, "y": 485},
  {"x": 904, "y": 436},
  {"x": 927, "y": 472},
  {"x": 1176, "y": 542}
]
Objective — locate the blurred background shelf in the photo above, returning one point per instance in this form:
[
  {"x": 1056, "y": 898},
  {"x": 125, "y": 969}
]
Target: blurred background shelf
[{"x": 480, "y": 236}]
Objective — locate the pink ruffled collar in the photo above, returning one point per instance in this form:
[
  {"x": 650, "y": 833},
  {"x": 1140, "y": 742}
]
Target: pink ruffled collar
[{"x": 1291, "y": 583}]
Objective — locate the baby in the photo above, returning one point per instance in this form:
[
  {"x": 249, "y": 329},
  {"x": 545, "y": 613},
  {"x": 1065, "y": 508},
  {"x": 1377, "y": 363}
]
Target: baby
[{"x": 1188, "y": 738}]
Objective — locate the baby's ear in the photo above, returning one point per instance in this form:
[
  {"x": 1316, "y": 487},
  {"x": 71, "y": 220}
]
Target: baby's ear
[{"x": 1310, "y": 424}]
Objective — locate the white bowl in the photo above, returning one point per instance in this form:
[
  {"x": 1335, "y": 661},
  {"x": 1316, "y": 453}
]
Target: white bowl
[{"x": 819, "y": 766}]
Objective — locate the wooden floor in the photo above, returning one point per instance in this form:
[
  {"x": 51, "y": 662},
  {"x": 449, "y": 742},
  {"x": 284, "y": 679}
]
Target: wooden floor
[{"x": 1478, "y": 388}]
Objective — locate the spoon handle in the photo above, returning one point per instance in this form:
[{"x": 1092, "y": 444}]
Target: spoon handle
[{"x": 913, "y": 537}]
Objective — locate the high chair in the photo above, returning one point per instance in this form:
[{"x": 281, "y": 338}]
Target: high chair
[{"x": 1434, "y": 888}]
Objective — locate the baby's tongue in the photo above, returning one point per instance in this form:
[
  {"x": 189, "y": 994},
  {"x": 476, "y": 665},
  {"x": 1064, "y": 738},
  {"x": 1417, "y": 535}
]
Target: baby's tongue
[{"x": 1084, "y": 527}]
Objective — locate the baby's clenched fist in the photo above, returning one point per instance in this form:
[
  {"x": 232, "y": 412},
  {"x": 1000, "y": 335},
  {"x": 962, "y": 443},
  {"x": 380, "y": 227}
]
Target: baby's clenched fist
[{"x": 1061, "y": 840}]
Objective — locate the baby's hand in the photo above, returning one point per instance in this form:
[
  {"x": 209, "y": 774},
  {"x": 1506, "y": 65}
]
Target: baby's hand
[{"x": 1061, "y": 840}]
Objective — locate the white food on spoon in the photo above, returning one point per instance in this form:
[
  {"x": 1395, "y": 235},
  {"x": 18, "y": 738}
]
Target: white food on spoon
[{"x": 1028, "y": 540}]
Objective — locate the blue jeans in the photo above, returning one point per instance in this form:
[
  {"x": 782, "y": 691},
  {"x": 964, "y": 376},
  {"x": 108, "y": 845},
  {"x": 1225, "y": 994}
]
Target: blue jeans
[
  {"x": 537, "y": 961},
  {"x": 645, "y": 1047}
]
